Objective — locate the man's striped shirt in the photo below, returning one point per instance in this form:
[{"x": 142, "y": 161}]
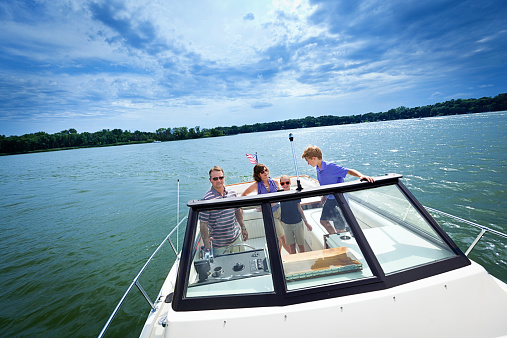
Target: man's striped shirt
[{"x": 222, "y": 224}]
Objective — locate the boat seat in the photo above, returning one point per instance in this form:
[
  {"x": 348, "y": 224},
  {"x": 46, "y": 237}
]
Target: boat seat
[
  {"x": 251, "y": 213},
  {"x": 255, "y": 228}
]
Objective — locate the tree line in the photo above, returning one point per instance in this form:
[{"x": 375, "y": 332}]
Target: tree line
[{"x": 69, "y": 139}]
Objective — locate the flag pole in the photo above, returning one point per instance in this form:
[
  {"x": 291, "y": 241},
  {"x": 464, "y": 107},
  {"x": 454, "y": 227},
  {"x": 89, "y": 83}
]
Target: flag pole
[
  {"x": 291, "y": 138},
  {"x": 252, "y": 158}
]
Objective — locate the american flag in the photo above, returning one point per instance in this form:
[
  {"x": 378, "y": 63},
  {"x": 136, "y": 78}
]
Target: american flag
[{"x": 252, "y": 158}]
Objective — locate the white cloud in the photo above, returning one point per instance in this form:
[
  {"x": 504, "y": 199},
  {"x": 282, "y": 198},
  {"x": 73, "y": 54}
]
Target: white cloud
[{"x": 143, "y": 62}]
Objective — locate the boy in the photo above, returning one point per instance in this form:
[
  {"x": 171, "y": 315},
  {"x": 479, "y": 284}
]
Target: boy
[
  {"x": 330, "y": 173},
  {"x": 292, "y": 220}
]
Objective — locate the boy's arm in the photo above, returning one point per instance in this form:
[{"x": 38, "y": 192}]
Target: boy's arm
[{"x": 362, "y": 177}]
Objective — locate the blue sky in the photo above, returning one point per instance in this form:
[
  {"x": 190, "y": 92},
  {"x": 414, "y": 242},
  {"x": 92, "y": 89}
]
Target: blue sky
[{"x": 144, "y": 65}]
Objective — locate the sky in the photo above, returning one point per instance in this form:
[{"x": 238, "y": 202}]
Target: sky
[{"x": 145, "y": 65}]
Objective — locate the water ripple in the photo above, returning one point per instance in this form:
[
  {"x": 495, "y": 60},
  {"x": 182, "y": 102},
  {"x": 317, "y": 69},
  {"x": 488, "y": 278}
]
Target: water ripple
[{"x": 78, "y": 225}]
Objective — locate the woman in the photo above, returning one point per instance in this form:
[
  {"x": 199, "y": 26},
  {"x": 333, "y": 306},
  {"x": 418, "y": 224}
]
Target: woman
[{"x": 263, "y": 185}]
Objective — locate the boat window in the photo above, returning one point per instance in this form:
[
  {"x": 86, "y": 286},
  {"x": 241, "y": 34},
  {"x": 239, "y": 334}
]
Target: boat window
[
  {"x": 313, "y": 257},
  {"x": 376, "y": 236},
  {"x": 233, "y": 266},
  {"x": 398, "y": 234}
]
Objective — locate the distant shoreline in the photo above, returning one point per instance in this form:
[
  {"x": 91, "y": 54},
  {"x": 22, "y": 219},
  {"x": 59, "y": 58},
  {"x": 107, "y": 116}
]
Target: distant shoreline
[{"x": 71, "y": 139}]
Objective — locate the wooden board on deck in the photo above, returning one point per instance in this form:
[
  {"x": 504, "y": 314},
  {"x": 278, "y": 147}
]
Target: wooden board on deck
[{"x": 319, "y": 263}]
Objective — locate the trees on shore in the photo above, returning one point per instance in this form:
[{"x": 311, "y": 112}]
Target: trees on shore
[{"x": 69, "y": 139}]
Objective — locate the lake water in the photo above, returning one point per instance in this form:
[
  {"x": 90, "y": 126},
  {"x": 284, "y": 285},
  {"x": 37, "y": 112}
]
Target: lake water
[{"x": 77, "y": 225}]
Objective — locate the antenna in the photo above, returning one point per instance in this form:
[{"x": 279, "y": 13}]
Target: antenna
[
  {"x": 291, "y": 138},
  {"x": 178, "y": 220}
]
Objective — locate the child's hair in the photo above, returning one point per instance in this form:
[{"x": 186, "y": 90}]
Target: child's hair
[
  {"x": 312, "y": 151},
  {"x": 287, "y": 177},
  {"x": 258, "y": 169}
]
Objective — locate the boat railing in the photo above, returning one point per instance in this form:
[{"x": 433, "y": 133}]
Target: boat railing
[
  {"x": 136, "y": 282},
  {"x": 483, "y": 228}
]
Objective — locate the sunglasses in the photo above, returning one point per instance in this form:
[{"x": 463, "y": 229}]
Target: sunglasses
[
  {"x": 284, "y": 183},
  {"x": 217, "y": 178}
]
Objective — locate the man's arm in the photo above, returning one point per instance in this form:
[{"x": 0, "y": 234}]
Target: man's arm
[
  {"x": 239, "y": 218},
  {"x": 205, "y": 235},
  {"x": 361, "y": 176}
]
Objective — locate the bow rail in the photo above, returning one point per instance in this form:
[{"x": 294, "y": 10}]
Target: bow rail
[
  {"x": 136, "y": 279},
  {"x": 483, "y": 228},
  {"x": 135, "y": 282}
]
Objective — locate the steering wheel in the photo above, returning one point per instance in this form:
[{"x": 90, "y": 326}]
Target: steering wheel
[{"x": 239, "y": 244}]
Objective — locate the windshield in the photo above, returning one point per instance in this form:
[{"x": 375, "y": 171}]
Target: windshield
[
  {"x": 233, "y": 266},
  {"x": 290, "y": 242}
]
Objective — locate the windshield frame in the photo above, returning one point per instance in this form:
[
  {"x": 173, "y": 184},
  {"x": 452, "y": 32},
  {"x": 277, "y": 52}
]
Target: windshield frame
[{"x": 280, "y": 296}]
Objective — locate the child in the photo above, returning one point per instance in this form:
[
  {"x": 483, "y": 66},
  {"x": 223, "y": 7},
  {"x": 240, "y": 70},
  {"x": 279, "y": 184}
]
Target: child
[
  {"x": 330, "y": 173},
  {"x": 292, "y": 220}
]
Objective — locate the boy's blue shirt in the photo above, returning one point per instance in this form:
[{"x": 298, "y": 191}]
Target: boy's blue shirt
[{"x": 331, "y": 173}]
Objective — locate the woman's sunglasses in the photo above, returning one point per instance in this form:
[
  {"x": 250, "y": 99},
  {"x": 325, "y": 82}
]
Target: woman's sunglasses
[{"x": 283, "y": 183}]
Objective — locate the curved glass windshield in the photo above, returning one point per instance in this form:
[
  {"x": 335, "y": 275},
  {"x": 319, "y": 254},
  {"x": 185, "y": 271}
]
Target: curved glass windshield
[
  {"x": 231, "y": 265},
  {"x": 320, "y": 241},
  {"x": 399, "y": 236},
  {"x": 328, "y": 252}
]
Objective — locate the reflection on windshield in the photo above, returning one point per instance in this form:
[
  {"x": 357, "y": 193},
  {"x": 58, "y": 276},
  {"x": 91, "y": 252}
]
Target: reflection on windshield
[
  {"x": 235, "y": 269},
  {"x": 399, "y": 236},
  {"x": 318, "y": 253}
]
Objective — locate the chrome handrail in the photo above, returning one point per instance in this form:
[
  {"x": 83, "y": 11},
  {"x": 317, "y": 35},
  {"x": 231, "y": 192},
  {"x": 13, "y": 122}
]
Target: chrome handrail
[
  {"x": 136, "y": 279},
  {"x": 483, "y": 228}
]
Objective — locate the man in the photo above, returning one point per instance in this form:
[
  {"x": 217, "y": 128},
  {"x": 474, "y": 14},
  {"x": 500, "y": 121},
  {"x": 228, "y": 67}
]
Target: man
[
  {"x": 221, "y": 226},
  {"x": 330, "y": 173}
]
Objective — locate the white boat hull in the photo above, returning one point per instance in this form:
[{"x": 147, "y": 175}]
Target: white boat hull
[
  {"x": 465, "y": 302},
  {"x": 432, "y": 307}
]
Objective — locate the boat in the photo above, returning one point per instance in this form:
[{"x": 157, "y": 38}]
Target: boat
[{"x": 394, "y": 272}]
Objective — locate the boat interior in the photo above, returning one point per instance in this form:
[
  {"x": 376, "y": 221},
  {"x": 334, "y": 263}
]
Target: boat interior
[{"x": 388, "y": 238}]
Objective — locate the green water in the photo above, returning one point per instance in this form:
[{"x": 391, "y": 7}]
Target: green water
[{"x": 77, "y": 225}]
